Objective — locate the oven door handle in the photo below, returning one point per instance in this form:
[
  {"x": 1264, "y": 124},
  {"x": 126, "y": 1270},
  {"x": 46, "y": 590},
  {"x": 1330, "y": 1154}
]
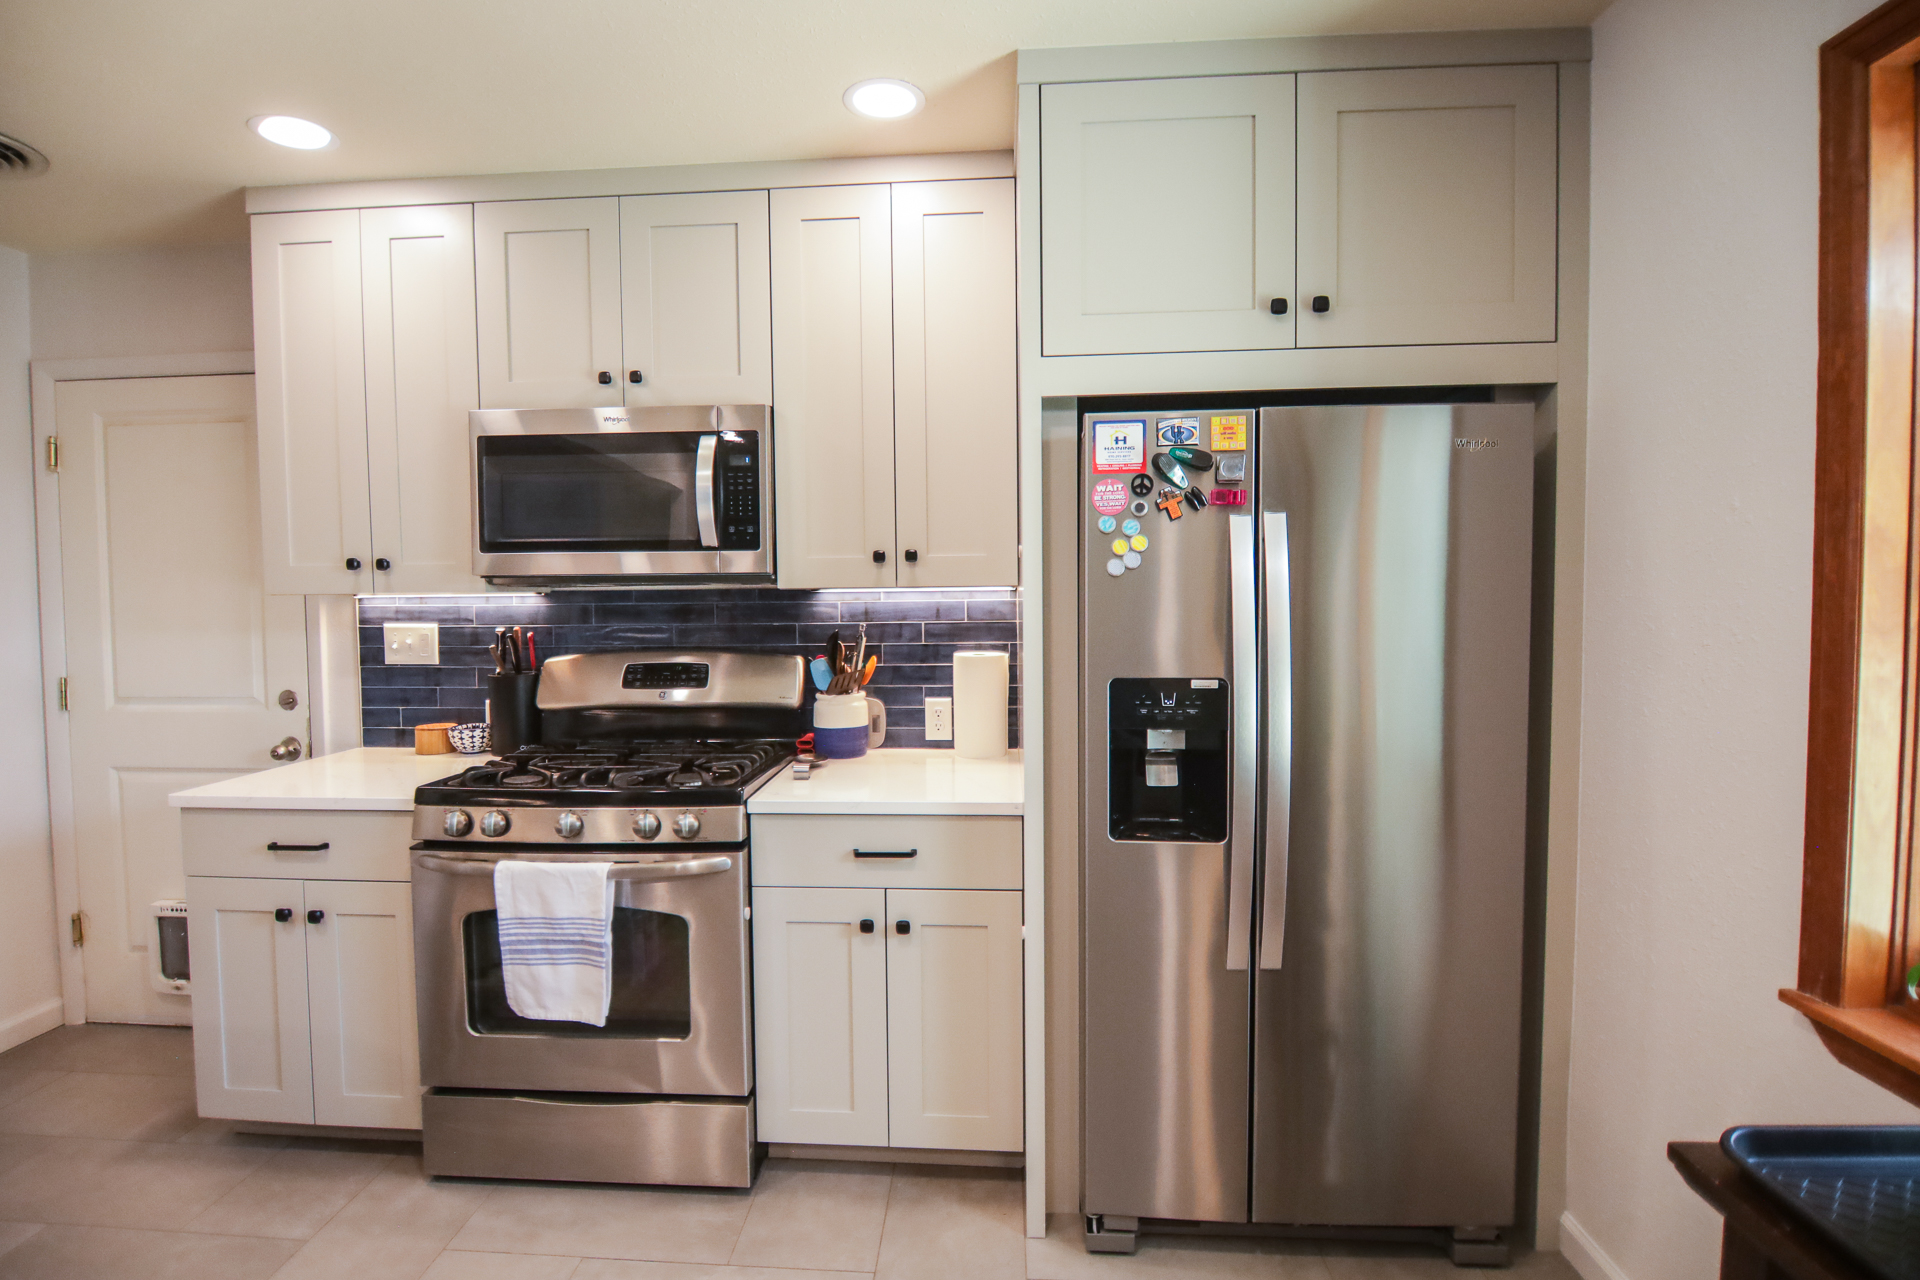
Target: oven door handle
[
  {"x": 703, "y": 491},
  {"x": 710, "y": 865}
]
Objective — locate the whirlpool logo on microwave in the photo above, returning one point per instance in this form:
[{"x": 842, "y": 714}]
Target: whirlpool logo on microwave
[{"x": 1475, "y": 446}]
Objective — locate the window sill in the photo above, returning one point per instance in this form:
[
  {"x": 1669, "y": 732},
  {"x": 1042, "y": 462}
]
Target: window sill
[{"x": 1881, "y": 1044}]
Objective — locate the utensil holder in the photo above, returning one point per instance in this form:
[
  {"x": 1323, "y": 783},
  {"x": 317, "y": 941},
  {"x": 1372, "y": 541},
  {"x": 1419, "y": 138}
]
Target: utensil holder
[{"x": 513, "y": 716}]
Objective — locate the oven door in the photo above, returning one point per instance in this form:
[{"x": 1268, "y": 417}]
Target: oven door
[
  {"x": 678, "y": 1022},
  {"x": 568, "y": 495}
]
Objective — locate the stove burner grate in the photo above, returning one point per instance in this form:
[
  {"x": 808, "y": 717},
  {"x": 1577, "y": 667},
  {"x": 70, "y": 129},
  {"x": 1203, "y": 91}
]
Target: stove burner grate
[{"x": 647, "y": 766}]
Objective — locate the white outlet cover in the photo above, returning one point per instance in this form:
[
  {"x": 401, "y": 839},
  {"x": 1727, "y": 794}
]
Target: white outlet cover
[
  {"x": 939, "y": 719},
  {"x": 412, "y": 643}
]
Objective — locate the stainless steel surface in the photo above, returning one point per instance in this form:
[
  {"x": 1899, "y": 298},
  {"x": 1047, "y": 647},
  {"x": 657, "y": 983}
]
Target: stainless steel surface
[
  {"x": 1277, "y": 821},
  {"x": 1386, "y": 1050},
  {"x": 456, "y": 823},
  {"x": 286, "y": 749},
  {"x": 665, "y": 867},
  {"x": 558, "y": 568},
  {"x": 1166, "y": 1024},
  {"x": 568, "y": 825},
  {"x": 704, "y": 1142},
  {"x": 577, "y": 681},
  {"x": 1245, "y": 604},
  {"x": 686, "y": 826},
  {"x": 703, "y": 491},
  {"x": 599, "y": 824}
]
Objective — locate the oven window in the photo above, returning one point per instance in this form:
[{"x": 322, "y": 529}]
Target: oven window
[
  {"x": 652, "y": 991},
  {"x": 582, "y": 493}
]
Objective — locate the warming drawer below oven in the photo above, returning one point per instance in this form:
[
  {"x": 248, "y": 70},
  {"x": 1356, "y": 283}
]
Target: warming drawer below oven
[{"x": 587, "y": 1137}]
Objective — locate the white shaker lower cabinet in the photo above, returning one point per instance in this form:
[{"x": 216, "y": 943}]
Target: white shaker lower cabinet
[
  {"x": 366, "y": 1044},
  {"x": 251, "y": 1056}
]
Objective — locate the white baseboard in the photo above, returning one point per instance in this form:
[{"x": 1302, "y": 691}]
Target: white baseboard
[
  {"x": 1587, "y": 1257},
  {"x": 39, "y": 1020}
]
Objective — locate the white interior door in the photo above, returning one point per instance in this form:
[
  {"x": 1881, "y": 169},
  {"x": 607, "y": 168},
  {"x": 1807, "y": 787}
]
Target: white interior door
[
  {"x": 366, "y": 1047},
  {"x": 696, "y": 314},
  {"x": 251, "y": 1059},
  {"x": 548, "y": 276},
  {"x": 176, "y": 658}
]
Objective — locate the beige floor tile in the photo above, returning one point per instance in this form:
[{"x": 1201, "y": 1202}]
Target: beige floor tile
[
  {"x": 118, "y": 1049},
  {"x": 815, "y": 1214},
  {"x": 393, "y": 1230},
  {"x": 291, "y": 1194},
  {"x": 88, "y": 1182},
  {"x": 12, "y": 1233},
  {"x": 87, "y": 1104},
  {"x": 1063, "y": 1256},
  {"x": 651, "y": 1224},
  {"x": 950, "y": 1223},
  {"x": 607, "y": 1269},
  {"x": 111, "y": 1253},
  {"x": 459, "y": 1265},
  {"x": 17, "y": 1081},
  {"x": 226, "y": 1133}
]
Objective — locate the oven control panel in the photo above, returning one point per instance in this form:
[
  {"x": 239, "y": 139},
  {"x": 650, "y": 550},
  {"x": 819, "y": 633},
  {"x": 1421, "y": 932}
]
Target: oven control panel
[{"x": 665, "y": 675}]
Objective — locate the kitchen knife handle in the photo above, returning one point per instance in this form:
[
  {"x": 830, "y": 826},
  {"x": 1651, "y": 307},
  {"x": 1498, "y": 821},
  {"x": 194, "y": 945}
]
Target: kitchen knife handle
[
  {"x": 1279, "y": 737},
  {"x": 1244, "y": 588}
]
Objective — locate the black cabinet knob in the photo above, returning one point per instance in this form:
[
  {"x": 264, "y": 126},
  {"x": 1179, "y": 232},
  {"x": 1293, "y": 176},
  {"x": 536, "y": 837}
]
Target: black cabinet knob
[
  {"x": 606, "y": 379},
  {"x": 879, "y": 557},
  {"x": 913, "y": 557},
  {"x": 316, "y": 916},
  {"x": 383, "y": 564},
  {"x": 902, "y": 926},
  {"x": 283, "y": 914},
  {"x": 353, "y": 563},
  {"x": 1278, "y": 306},
  {"x": 1322, "y": 304},
  {"x": 633, "y": 375},
  {"x": 866, "y": 926}
]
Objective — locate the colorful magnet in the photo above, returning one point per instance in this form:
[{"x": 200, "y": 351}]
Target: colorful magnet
[
  {"x": 1141, "y": 486},
  {"x": 1107, "y": 524},
  {"x": 1129, "y": 528},
  {"x": 1131, "y": 559},
  {"x": 1116, "y": 567},
  {"x": 1192, "y": 459},
  {"x": 1119, "y": 546},
  {"x": 1233, "y": 466},
  {"x": 1119, "y": 446},
  {"x": 1139, "y": 507},
  {"x": 1138, "y": 542},
  {"x": 1109, "y": 497},
  {"x": 1224, "y": 498},
  {"x": 1229, "y": 431},
  {"x": 1170, "y": 471},
  {"x": 1177, "y": 431},
  {"x": 1170, "y": 503}
]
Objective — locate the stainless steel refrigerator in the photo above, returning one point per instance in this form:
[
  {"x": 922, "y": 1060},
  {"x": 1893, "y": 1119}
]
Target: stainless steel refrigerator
[{"x": 1304, "y": 767}]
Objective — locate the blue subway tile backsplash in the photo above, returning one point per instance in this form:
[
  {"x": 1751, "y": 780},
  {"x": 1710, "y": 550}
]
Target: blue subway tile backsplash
[{"x": 916, "y": 633}]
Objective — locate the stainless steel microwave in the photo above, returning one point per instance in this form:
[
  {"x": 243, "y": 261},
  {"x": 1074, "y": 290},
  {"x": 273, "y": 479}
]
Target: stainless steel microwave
[{"x": 584, "y": 496}]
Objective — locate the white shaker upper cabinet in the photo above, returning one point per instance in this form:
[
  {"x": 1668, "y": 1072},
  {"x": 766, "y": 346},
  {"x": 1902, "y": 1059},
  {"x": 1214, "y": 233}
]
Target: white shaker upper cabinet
[
  {"x": 1167, "y": 215},
  {"x": 1428, "y": 203},
  {"x": 954, "y": 394},
  {"x": 548, "y": 273},
  {"x": 833, "y": 370},
  {"x": 697, "y": 315},
  {"x": 312, "y": 403},
  {"x": 422, "y": 379}
]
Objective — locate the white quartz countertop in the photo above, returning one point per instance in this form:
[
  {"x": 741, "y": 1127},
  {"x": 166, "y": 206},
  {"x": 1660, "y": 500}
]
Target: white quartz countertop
[
  {"x": 363, "y": 778},
  {"x": 925, "y": 780}
]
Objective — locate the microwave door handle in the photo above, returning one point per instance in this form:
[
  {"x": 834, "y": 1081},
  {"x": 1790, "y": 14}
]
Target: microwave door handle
[
  {"x": 1279, "y": 685},
  {"x": 703, "y": 491}
]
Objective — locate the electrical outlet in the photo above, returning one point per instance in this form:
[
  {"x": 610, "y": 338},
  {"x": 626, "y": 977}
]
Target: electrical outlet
[
  {"x": 939, "y": 719},
  {"x": 412, "y": 642}
]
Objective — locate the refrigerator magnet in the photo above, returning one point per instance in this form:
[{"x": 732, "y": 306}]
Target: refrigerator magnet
[
  {"x": 1131, "y": 559},
  {"x": 1229, "y": 431},
  {"x": 1116, "y": 567},
  {"x": 1120, "y": 446},
  {"x": 1174, "y": 431},
  {"x": 1109, "y": 497},
  {"x": 1106, "y": 524}
]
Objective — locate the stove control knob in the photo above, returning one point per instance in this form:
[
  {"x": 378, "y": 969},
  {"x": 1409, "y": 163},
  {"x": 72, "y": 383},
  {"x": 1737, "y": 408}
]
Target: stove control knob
[
  {"x": 494, "y": 823},
  {"x": 459, "y": 822},
  {"x": 647, "y": 825},
  {"x": 569, "y": 825},
  {"x": 686, "y": 826}
]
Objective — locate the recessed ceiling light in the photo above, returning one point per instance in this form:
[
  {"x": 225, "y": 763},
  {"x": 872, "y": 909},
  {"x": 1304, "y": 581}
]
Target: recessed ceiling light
[
  {"x": 291, "y": 131},
  {"x": 884, "y": 99},
  {"x": 18, "y": 160}
]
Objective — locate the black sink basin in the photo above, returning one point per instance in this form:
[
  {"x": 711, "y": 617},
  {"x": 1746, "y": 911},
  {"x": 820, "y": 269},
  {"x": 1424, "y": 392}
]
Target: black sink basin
[{"x": 1857, "y": 1185}]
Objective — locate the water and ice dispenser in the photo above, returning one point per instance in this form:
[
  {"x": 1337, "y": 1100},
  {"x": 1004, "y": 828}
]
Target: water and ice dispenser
[{"x": 1167, "y": 764}]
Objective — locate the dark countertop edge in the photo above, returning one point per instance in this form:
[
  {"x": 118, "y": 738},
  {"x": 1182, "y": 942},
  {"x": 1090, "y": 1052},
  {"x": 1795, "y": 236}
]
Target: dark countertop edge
[{"x": 1754, "y": 1215}]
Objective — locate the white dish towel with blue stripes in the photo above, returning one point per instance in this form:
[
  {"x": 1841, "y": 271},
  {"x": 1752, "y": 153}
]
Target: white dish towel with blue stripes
[{"x": 556, "y": 939}]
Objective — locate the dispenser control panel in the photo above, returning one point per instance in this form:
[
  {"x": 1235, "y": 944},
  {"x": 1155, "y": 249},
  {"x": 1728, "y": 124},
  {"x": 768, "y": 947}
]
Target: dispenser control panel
[
  {"x": 1180, "y": 704},
  {"x": 1167, "y": 769}
]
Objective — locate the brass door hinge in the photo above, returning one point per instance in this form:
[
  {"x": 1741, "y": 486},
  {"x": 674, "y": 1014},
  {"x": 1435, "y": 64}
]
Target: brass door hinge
[
  {"x": 63, "y": 693},
  {"x": 53, "y": 453},
  {"x": 79, "y": 929}
]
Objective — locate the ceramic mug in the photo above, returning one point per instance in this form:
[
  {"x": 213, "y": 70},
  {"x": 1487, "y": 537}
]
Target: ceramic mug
[{"x": 846, "y": 724}]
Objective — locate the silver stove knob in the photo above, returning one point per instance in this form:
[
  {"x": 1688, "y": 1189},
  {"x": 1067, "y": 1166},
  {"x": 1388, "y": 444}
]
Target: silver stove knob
[
  {"x": 686, "y": 826},
  {"x": 458, "y": 822},
  {"x": 494, "y": 823},
  {"x": 569, "y": 825},
  {"x": 647, "y": 825}
]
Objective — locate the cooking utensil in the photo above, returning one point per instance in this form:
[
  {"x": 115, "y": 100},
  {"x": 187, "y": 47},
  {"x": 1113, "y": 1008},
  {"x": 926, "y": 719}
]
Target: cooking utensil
[
  {"x": 822, "y": 674},
  {"x": 866, "y": 672}
]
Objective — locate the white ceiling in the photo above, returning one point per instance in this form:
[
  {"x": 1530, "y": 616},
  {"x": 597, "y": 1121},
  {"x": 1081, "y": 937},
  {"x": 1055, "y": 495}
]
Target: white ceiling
[{"x": 142, "y": 106}]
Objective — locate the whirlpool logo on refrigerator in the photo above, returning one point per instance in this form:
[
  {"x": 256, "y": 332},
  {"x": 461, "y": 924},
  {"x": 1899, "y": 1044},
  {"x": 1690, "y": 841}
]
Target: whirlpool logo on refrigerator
[{"x": 1475, "y": 446}]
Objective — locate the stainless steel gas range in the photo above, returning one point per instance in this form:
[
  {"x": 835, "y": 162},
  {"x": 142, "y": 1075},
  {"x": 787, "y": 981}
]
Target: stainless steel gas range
[{"x": 648, "y": 761}]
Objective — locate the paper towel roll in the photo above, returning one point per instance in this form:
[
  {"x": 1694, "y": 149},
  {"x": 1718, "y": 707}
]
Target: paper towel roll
[{"x": 979, "y": 705}]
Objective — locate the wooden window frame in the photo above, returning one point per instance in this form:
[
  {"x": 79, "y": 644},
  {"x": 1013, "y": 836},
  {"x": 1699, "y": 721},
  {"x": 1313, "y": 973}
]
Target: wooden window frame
[{"x": 1863, "y": 735}]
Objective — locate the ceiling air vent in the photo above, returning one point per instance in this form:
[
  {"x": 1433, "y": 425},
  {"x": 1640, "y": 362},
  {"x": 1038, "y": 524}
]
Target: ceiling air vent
[{"x": 18, "y": 160}]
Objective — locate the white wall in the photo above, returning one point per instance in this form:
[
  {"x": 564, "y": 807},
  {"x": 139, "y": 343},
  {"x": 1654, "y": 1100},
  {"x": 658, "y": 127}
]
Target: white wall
[
  {"x": 29, "y": 965},
  {"x": 1698, "y": 566},
  {"x": 142, "y": 302}
]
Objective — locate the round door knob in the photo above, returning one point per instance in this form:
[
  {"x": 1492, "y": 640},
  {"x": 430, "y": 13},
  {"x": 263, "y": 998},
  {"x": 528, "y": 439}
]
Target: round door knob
[
  {"x": 569, "y": 825},
  {"x": 494, "y": 823},
  {"x": 283, "y": 914},
  {"x": 647, "y": 825},
  {"x": 606, "y": 379},
  {"x": 458, "y": 822},
  {"x": 383, "y": 564},
  {"x": 285, "y": 749},
  {"x": 353, "y": 563},
  {"x": 686, "y": 826},
  {"x": 316, "y": 916}
]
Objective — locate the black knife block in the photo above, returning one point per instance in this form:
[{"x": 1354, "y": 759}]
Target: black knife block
[{"x": 513, "y": 715}]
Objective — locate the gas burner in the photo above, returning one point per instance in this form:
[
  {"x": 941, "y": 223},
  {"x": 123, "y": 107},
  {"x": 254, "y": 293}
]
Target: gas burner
[{"x": 624, "y": 772}]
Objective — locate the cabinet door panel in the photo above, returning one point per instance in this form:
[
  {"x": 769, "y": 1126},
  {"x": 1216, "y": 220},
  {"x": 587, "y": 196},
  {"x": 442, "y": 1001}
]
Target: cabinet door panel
[
  {"x": 311, "y": 391},
  {"x": 954, "y": 394},
  {"x": 695, "y": 307},
  {"x": 366, "y": 1057},
  {"x": 833, "y": 380},
  {"x": 422, "y": 379},
  {"x": 549, "y": 302},
  {"x": 1428, "y": 204},
  {"x": 250, "y": 1045},
  {"x": 820, "y": 1016},
  {"x": 953, "y": 1019},
  {"x": 1167, "y": 214}
]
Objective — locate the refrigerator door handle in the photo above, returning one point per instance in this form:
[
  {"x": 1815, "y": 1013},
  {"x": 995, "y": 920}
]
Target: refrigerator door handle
[
  {"x": 1246, "y": 728},
  {"x": 1279, "y": 736}
]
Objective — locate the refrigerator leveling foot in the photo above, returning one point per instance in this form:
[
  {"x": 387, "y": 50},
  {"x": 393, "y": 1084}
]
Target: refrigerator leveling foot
[
  {"x": 1479, "y": 1247},
  {"x": 1111, "y": 1233}
]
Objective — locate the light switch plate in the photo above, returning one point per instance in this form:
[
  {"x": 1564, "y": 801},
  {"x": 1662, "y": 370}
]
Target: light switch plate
[
  {"x": 939, "y": 719},
  {"x": 412, "y": 643}
]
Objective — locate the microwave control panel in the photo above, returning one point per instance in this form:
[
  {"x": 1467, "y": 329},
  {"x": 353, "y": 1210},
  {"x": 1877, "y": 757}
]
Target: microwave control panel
[{"x": 738, "y": 481}]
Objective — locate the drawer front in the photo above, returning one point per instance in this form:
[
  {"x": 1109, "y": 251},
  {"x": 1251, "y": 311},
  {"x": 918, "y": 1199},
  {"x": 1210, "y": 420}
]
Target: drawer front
[
  {"x": 361, "y": 845},
  {"x": 949, "y": 853}
]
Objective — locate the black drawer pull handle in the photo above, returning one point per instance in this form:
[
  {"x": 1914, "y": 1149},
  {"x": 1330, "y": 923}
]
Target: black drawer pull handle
[
  {"x": 902, "y": 926},
  {"x": 316, "y": 916},
  {"x": 866, "y": 926},
  {"x": 283, "y": 914},
  {"x": 274, "y": 846},
  {"x": 886, "y": 853}
]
